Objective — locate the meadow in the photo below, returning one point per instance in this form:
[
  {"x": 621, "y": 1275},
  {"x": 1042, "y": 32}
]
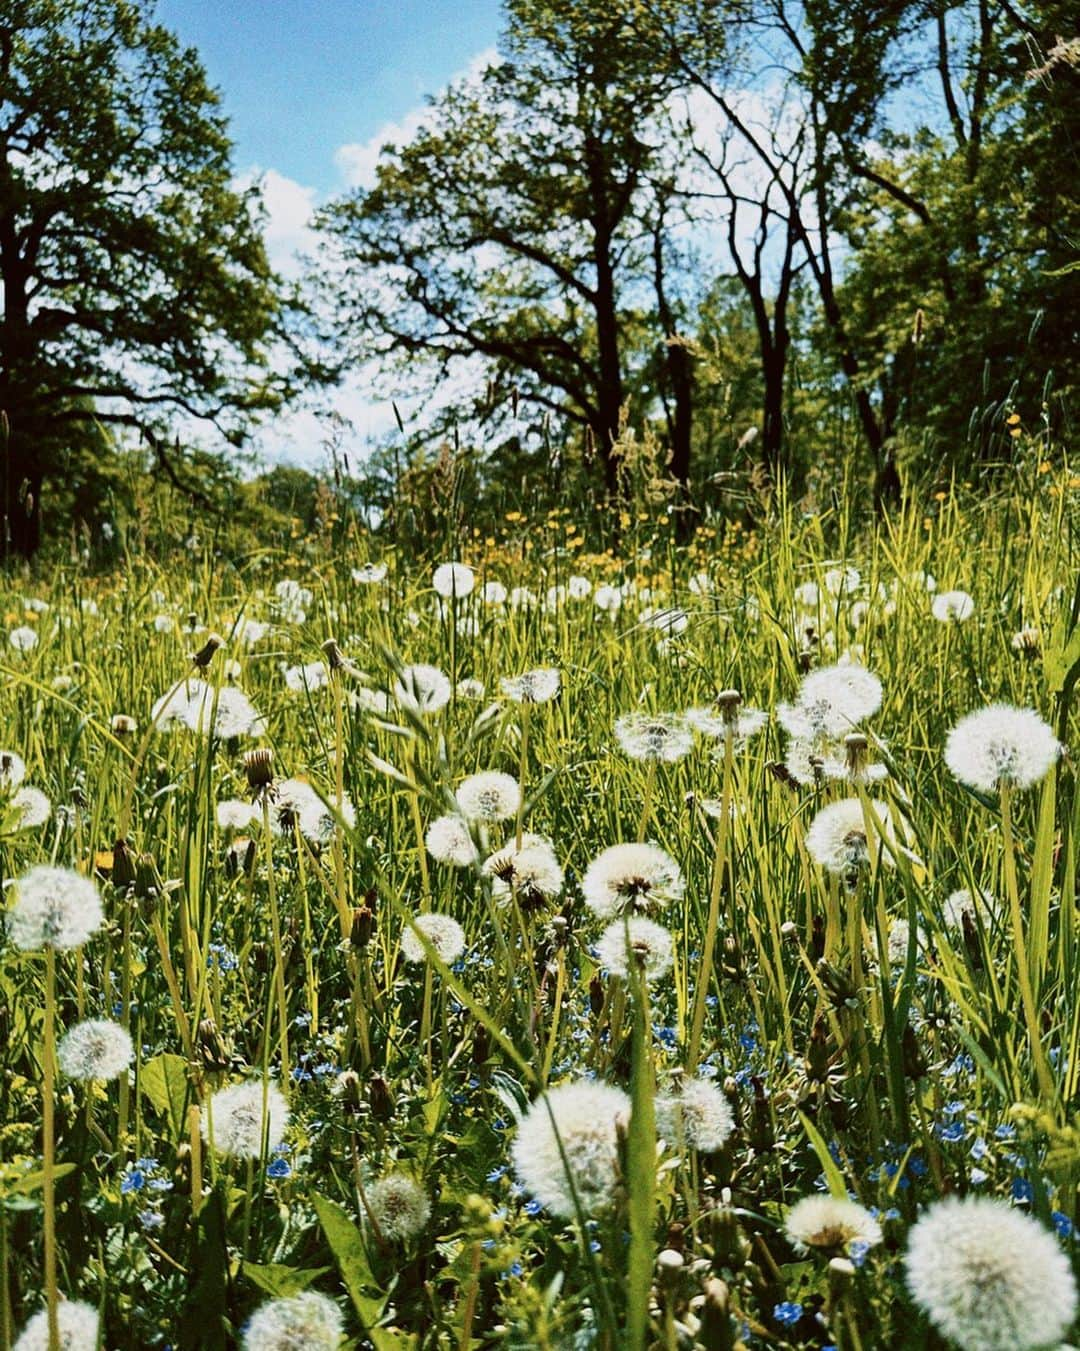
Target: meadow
[{"x": 531, "y": 947}]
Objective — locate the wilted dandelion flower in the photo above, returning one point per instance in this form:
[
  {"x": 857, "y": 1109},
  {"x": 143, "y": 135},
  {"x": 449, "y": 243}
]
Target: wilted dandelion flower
[
  {"x": 490, "y": 796},
  {"x": 399, "y": 1206},
  {"x": 304, "y": 1322},
  {"x": 636, "y": 944},
  {"x": 424, "y": 689},
  {"x": 629, "y": 877},
  {"x": 453, "y": 580},
  {"x": 1001, "y": 747},
  {"x": 583, "y": 1118},
  {"x": 95, "y": 1049},
  {"x": 952, "y": 607},
  {"x": 532, "y": 872},
  {"x": 698, "y": 1114},
  {"x": 1028, "y": 641},
  {"x": 534, "y": 687},
  {"x": 31, "y": 807},
  {"x": 832, "y": 1223},
  {"x": 988, "y": 1277},
  {"x": 234, "y": 1122},
  {"x": 12, "y": 770},
  {"x": 23, "y": 639},
  {"x": 963, "y": 902},
  {"x": 54, "y": 907},
  {"x": 837, "y": 836},
  {"x": 448, "y": 840},
  {"x": 654, "y": 736},
  {"x": 444, "y": 934},
  {"x": 78, "y": 1324}
]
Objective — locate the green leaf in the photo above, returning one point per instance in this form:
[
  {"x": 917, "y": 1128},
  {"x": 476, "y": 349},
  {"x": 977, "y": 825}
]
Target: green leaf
[
  {"x": 33, "y": 1182},
  {"x": 164, "y": 1081},
  {"x": 833, "y": 1176},
  {"x": 347, "y": 1244},
  {"x": 279, "y": 1280}
]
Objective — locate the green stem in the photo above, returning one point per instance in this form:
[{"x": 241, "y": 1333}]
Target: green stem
[
  {"x": 48, "y": 1090},
  {"x": 275, "y": 933},
  {"x": 712, "y": 923}
]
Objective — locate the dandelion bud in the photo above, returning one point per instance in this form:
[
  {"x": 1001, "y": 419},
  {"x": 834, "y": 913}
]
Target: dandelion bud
[
  {"x": 214, "y": 1050},
  {"x": 147, "y": 883},
  {"x": 123, "y": 865},
  {"x": 333, "y": 654},
  {"x": 836, "y": 982},
  {"x": 363, "y": 923},
  {"x": 348, "y": 1090},
  {"x": 732, "y": 959},
  {"x": 729, "y": 1243},
  {"x": 380, "y": 1099},
  {"x": 817, "y": 937},
  {"x": 596, "y": 995},
  {"x": 481, "y": 1045},
  {"x": 205, "y": 654},
  {"x": 919, "y": 327},
  {"x": 259, "y": 768}
]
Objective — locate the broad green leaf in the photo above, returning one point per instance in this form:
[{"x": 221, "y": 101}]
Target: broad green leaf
[
  {"x": 833, "y": 1176},
  {"x": 347, "y": 1244},
  {"x": 164, "y": 1081},
  {"x": 276, "y": 1279}
]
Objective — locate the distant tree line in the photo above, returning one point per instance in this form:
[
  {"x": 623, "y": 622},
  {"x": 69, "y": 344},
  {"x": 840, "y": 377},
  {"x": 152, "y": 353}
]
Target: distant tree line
[{"x": 768, "y": 235}]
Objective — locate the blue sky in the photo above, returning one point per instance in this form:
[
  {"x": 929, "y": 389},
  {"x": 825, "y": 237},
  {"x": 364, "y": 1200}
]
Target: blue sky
[{"x": 299, "y": 78}]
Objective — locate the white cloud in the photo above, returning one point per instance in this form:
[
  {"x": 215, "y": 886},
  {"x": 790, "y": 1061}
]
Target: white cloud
[
  {"x": 290, "y": 208},
  {"x": 357, "y": 160}
]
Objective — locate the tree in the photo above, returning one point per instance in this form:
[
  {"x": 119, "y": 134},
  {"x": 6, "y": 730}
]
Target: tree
[
  {"x": 135, "y": 281},
  {"x": 519, "y": 227}
]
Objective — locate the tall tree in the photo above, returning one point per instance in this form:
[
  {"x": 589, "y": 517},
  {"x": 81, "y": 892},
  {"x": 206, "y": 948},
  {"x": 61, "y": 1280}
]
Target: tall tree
[
  {"x": 515, "y": 227},
  {"x": 135, "y": 282}
]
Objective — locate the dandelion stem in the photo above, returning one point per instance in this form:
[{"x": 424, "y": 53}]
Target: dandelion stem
[
  {"x": 48, "y": 1090},
  {"x": 275, "y": 933},
  {"x": 646, "y": 806},
  {"x": 523, "y": 769},
  {"x": 712, "y": 923}
]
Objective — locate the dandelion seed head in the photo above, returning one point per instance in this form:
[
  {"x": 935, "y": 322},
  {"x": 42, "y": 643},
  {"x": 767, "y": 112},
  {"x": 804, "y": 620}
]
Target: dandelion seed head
[
  {"x": 297, "y": 803},
  {"x": 235, "y": 814},
  {"x": 952, "y": 607},
  {"x": 1001, "y": 747},
  {"x": 963, "y": 902},
  {"x": 990, "y": 1278},
  {"x": 448, "y": 841},
  {"x": 712, "y": 722},
  {"x": 631, "y": 877},
  {"x": 585, "y": 1114},
  {"x": 95, "y": 1049},
  {"x": 534, "y": 687},
  {"x": 424, "y": 689},
  {"x": 23, "y": 639},
  {"x": 78, "y": 1328},
  {"x": 444, "y": 934},
  {"x": 12, "y": 771},
  {"x": 633, "y": 943},
  {"x": 493, "y": 593},
  {"x": 832, "y": 1223},
  {"x": 309, "y": 677},
  {"x": 842, "y": 581},
  {"x": 831, "y": 702},
  {"x": 31, "y": 806},
  {"x": 490, "y": 796},
  {"x": 608, "y": 599},
  {"x": 698, "y": 1114},
  {"x": 369, "y": 574},
  {"x": 578, "y": 587},
  {"x": 453, "y": 580},
  {"x": 533, "y": 872},
  {"x": 665, "y": 737},
  {"x": 470, "y": 688},
  {"x": 54, "y": 907},
  {"x": 304, "y": 1322},
  {"x": 399, "y": 1206},
  {"x": 806, "y": 595},
  {"x": 226, "y": 713},
  {"x": 837, "y": 836},
  {"x": 236, "y": 1116}
]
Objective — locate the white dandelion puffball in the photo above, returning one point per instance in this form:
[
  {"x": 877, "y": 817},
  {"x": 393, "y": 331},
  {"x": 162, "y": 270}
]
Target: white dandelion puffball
[
  {"x": 448, "y": 841},
  {"x": 837, "y": 836},
  {"x": 963, "y": 902},
  {"x": 988, "y": 1277},
  {"x": 305, "y": 1322},
  {"x": 840, "y": 580},
  {"x": 248, "y": 632},
  {"x": 952, "y": 607},
  {"x": 578, "y": 587},
  {"x": 532, "y": 872},
  {"x": 453, "y": 580},
  {"x": 493, "y": 593},
  {"x": 310, "y": 676},
  {"x": 444, "y": 934},
  {"x": 171, "y": 710},
  {"x": 1001, "y": 747},
  {"x": 654, "y": 736},
  {"x": 806, "y": 595},
  {"x": 489, "y": 796},
  {"x": 78, "y": 1323},
  {"x": 424, "y": 689},
  {"x": 12, "y": 770},
  {"x": 712, "y": 722},
  {"x": 830, "y": 1222},
  {"x": 633, "y": 943},
  {"x": 582, "y": 1117},
  {"x": 235, "y": 814},
  {"x": 226, "y": 713},
  {"x": 32, "y": 807},
  {"x": 534, "y": 687},
  {"x": 698, "y": 1114},
  {"x": 296, "y": 803},
  {"x": 608, "y": 599},
  {"x": 54, "y": 907},
  {"x": 369, "y": 574},
  {"x": 831, "y": 701},
  {"x": 96, "y": 1049},
  {"x": 23, "y": 639},
  {"x": 628, "y": 877},
  {"x": 399, "y": 1206},
  {"x": 470, "y": 688},
  {"x": 235, "y": 1123}
]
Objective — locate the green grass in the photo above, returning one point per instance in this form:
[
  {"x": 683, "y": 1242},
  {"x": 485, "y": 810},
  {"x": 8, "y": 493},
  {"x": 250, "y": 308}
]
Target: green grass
[{"x": 846, "y": 1072}]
